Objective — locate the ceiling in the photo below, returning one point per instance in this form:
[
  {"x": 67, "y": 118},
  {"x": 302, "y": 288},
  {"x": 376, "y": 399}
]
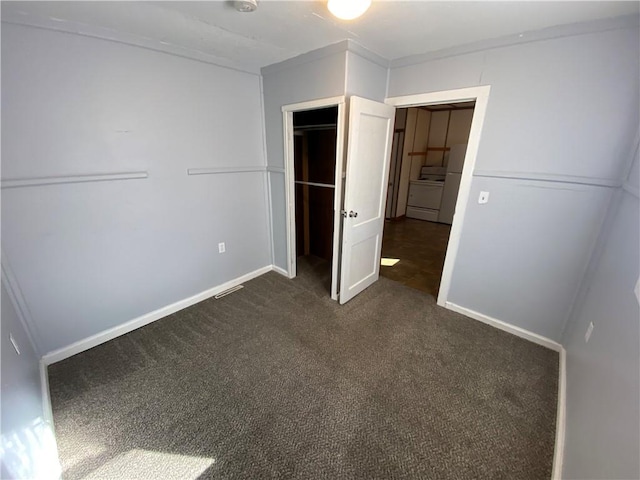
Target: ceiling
[{"x": 214, "y": 31}]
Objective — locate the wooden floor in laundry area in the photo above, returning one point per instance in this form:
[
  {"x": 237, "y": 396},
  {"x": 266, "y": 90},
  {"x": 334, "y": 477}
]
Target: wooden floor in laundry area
[{"x": 420, "y": 247}]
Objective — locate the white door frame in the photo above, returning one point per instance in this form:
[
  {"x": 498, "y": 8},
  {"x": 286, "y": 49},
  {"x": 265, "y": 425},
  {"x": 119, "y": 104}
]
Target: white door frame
[
  {"x": 289, "y": 179},
  {"x": 481, "y": 96}
]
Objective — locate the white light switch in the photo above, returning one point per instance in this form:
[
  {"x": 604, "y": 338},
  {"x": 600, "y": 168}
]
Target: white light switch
[
  {"x": 483, "y": 198},
  {"x": 221, "y": 247}
]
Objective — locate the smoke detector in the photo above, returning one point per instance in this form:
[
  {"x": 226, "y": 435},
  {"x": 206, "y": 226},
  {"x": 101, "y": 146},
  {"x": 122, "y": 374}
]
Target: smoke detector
[{"x": 245, "y": 6}]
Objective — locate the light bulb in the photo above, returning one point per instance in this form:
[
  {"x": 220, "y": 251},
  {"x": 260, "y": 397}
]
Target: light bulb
[{"x": 348, "y": 9}]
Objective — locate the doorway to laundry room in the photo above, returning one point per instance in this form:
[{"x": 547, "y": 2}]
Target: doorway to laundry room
[{"x": 428, "y": 155}]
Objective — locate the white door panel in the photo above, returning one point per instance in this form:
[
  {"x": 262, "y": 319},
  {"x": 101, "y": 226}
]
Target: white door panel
[{"x": 370, "y": 138}]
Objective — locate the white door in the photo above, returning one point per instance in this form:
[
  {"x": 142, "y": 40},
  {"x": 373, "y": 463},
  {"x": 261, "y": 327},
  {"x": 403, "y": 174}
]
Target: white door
[{"x": 370, "y": 138}]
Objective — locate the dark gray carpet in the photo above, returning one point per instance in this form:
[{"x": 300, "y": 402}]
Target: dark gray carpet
[{"x": 279, "y": 381}]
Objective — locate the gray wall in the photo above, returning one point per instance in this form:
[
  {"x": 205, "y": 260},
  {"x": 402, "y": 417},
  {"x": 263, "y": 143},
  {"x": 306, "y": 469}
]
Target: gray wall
[
  {"x": 603, "y": 375},
  {"x": 331, "y": 71},
  {"x": 562, "y": 110},
  {"x": 366, "y": 78},
  {"x": 28, "y": 444},
  {"x": 523, "y": 254},
  {"x": 90, "y": 256},
  {"x": 313, "y": 76}
]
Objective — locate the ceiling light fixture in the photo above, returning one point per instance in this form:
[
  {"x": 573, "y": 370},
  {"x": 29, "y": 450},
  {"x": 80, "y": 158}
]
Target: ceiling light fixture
[
  {"x": 245, "y": 6},
  {"x": 348, "y": 9}
]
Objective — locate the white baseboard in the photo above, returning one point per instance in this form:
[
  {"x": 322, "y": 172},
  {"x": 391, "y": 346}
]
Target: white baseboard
[
  {"x": 507, "y": 327},
  {"x": 281, "y": 271},
  {"x": 558, "y": 453},
  {"x": 47, "y": 417},
  {"x": 47, "y": 413},
  {"x": 111, "y": 333}
]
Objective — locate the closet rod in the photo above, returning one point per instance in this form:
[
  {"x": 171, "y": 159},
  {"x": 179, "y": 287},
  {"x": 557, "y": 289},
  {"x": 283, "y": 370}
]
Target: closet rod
[
  {"x": 313, "y": 184},
  {"x": 325, "y": 126}
]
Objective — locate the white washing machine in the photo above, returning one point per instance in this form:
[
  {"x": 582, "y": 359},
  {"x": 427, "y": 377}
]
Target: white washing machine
[{"x": 425, "y": 194}]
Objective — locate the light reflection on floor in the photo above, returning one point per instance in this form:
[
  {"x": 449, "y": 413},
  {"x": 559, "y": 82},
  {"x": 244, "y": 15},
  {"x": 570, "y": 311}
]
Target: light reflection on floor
[
  {"x": 422, "y": 247},
  {"x": 138, "y": 463},
  {"x": 389, "y": 262}
]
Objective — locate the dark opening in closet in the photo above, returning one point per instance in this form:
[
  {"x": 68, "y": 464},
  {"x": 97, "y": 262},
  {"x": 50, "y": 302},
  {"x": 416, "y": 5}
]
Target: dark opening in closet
[{"x": 315, "y": 167}]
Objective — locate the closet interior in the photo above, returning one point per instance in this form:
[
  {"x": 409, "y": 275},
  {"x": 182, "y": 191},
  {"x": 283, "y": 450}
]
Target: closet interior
[{"x": 315, "y": 176}]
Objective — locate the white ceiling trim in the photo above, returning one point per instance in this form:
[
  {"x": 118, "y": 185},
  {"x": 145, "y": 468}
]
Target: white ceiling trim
[
  {"x": 364, "y": 52},
  {"x": 333, "y": 49},
  {"x": 75, "y": 28},
  {"x": 617, "y": 23},
  {"x": 312, "y": 56},
  {"x": 234, "y": 60}
]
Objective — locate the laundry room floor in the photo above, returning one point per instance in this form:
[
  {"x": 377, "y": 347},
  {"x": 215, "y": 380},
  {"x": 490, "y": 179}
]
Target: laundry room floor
[{"x": 420, "y": 247}]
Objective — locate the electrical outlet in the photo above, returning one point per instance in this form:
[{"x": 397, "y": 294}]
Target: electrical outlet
[
  {"x": 13, "y": 342},
  {"x": 221, "y": 247},
  {"x": 587, "y": 335},
  {"x": 483, "y": 198}
]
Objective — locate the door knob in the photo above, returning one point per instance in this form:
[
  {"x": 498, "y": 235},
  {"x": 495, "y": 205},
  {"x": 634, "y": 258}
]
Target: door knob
[{"x": 353, "y": 214}]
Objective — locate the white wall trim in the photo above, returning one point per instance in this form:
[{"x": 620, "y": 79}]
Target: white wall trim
[
  {"x": 47, "y": 412},
  {"x": 430, "y": 98},
  {"x": 267, "y": 177},
  {"x": 63, "y": 179},
  {"x": 289, "y": 190},
  {"x": 269, "y": 204},
  {"x": 338, "y": 198},
  {"x": 558, "y": 453},
  {"x": 481, "y": 96},
  {"x": 558, "y": 31},
  {"x": 507, "y": 327},
  {"x": 111, "y": 333},
  {"x": 545, "y": 177},
  {"x": 313, "y": 104},
  {"x": 218, "y": 170}
]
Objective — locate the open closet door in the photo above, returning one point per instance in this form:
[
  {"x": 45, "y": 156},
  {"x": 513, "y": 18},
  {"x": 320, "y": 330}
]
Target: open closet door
[{"x": 370, "y": 136}]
